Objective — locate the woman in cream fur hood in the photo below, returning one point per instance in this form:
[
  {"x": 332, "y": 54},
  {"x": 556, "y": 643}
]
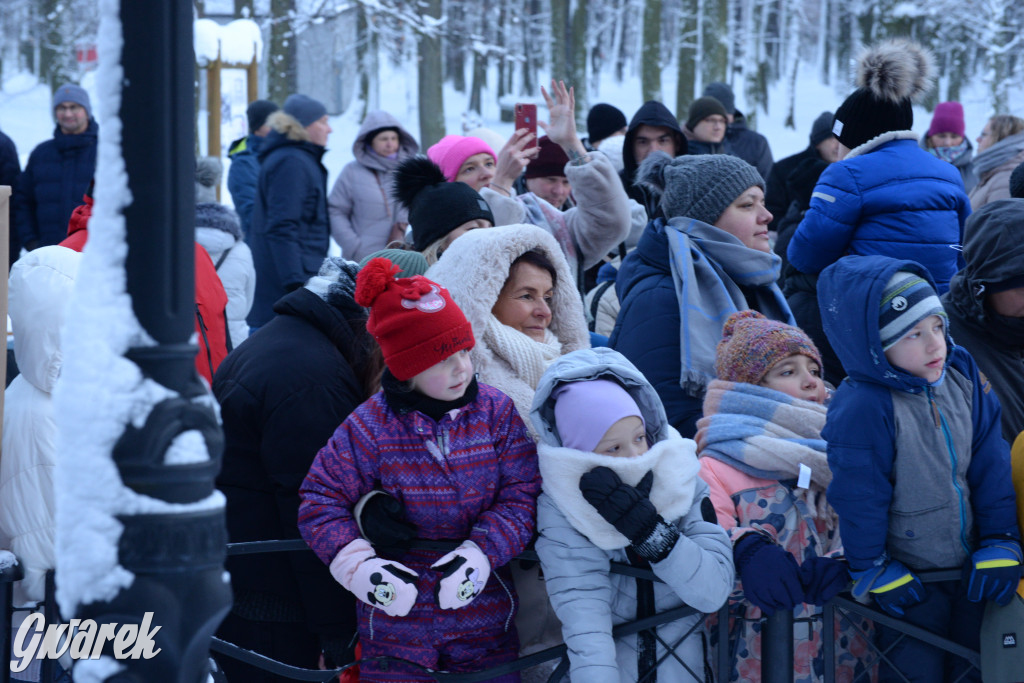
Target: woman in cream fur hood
[
  {"x": 577, "y": 545},
  {"x": 474, "y": 269}
]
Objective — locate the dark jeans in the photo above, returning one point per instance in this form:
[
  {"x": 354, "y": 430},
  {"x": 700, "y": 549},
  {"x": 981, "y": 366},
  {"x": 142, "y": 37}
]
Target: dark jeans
[{"x": 945, "y": 612}]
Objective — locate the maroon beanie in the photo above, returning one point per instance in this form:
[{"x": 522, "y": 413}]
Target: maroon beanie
[
  {"x": 551, "y": 160},
  {"x": 415, "y": 321}
]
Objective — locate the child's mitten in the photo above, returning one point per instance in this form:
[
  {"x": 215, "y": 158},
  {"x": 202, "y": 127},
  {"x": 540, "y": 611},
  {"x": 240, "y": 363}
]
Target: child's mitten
[
  {"x": 823, "y": 578},
  {"x": 464, "y": 573},
  {"x": 891, "y": 584},
  {"x": 382, "y": 520},
  {"x": 386, "y": 585},
  {"x": 630, "y": 511},
  {"x": 769, "y": 573},
  {"x": 994, "y": 571}
]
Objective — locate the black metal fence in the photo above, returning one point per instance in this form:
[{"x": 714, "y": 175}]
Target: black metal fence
[{"x": 776, "y": 644}]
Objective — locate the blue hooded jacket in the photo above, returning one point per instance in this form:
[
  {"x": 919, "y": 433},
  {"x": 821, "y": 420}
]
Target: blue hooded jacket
[
  {"x": 920, "y": 471},
  {"x": 887, "y": 197}
]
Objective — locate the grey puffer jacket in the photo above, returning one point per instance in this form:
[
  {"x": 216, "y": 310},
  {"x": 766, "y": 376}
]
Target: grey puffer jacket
[
  {"x": 361, "y": 208},
  {"x": 576, "y": 546}
]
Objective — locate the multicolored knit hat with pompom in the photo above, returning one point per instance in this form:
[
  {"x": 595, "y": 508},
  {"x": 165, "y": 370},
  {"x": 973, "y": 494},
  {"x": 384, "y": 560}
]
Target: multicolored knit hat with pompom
[
  {"x": 415, "y": 321},
  {"x": 751, "y": 344}
]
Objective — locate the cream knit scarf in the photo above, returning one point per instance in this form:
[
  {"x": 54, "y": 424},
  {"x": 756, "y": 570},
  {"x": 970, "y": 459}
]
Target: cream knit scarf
[{"x": 528, "y": 358}]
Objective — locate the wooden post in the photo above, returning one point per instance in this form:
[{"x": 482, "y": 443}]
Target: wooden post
[
  {"x": 213, "y": 108},
  {"x": 5, "y": 230},
  {"x": 253, "y": 77}
]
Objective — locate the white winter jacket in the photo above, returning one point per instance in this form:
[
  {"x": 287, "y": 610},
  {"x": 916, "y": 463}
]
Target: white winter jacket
[
  {"x": 39, "y": 290},
  {"x": 219, "y": 232}
]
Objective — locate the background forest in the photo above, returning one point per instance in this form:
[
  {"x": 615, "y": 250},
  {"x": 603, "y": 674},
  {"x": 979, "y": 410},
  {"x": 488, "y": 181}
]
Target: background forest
[{"x": 496, "y": 49}]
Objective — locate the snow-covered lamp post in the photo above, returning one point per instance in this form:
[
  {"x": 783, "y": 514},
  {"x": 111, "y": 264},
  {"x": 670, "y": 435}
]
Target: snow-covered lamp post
[{"x": 141, "y": 534}]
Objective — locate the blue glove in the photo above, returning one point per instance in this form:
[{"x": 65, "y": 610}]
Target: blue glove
[
  {"x": 994, "y": 571},
  {"x": 823, "y": 578},
  {"x": 769, "y": 573},
  {"x": 891, "y": 584}
]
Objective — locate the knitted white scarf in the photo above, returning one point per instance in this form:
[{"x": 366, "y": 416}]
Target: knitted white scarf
[{"x": 527, "y": 357}]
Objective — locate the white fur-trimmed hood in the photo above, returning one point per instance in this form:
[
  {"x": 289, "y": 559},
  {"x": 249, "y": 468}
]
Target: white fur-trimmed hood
[
  {"x": 878, "y": 141},
  {"x": 675, "y": 466}
]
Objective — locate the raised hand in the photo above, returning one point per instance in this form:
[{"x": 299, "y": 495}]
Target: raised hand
[{"x": 562, "y": 113}]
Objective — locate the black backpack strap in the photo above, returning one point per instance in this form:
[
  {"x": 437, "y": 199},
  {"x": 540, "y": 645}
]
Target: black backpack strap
[
  {"x": 596, "y": 301},
  {"x": 216, "y": 266}
]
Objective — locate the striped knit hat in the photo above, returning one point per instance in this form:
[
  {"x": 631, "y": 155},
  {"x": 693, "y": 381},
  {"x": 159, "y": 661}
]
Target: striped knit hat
[
  {"x": 751, "y": 344},
  {"x": 907, "y": 300}
]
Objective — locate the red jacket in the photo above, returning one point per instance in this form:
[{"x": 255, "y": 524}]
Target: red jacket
[{"x": 211, "y": 300}]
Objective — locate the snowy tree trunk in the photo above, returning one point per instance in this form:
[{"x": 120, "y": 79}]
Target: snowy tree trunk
[
  {"x": 456, "y": 41},
  {"x": 560, "y": 39},
  {"x": 578, "y": 77},
  {"x": 430, "y": 90},
  {"x": 715, "y": 53},
  {"x": 55, "y": 55},
  {"x": 282, "y": 79},
  {"x": 479, "y": 81},
  {"x": 686, "y": 71},
  {"x": 650, "y": 69}
]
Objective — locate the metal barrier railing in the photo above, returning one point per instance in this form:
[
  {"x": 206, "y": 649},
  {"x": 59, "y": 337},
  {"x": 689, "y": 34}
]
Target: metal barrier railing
[{"x": 776, "y": 643}]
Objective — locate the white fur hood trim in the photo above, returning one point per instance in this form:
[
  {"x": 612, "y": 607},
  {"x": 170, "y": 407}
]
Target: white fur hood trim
[
  {"x": 675, "y": 466},
  {"x": 880, "y": 140}
]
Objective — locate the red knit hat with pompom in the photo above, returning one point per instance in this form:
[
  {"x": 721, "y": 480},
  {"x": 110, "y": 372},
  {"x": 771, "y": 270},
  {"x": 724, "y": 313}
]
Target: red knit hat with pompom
[{"x": 415, "y": 321}]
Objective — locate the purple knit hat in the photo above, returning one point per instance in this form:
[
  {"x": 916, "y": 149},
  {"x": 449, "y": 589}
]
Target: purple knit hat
[
  {"x": 451, "y": 152},
  {"x": 948, "y": 118},
  {"x": 751, "y": 344},
  {"x": 585, "y": 410}
]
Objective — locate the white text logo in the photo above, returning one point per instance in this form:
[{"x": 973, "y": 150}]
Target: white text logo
[{"x": 81, "y": 639}]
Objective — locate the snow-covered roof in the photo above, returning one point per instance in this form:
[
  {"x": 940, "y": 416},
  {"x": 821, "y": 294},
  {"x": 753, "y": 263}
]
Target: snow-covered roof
[{"x": 237, "y": 42}]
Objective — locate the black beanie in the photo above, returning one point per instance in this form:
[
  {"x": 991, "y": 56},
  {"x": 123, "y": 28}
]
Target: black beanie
[
  {"x": 703, "y": 108},
  {"x": 821, "y": 129},
  {"x": 602, "y": 121},
  {"x": 257, "y": 113},
  {"x": 1017, "y": 182},
  {"x": 436, "y": 206},
  {"x": 889, "y": 76}
]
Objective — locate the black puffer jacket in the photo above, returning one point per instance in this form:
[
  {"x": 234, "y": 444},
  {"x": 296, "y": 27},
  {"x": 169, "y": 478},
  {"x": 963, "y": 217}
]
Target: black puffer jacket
[
  {"x": 282, "y": 394},
  {"x": 749, "y": 145},
  {"x": 994, "y": 252}
]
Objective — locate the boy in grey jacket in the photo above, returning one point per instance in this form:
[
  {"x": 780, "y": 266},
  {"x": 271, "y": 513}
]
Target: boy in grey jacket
[{"x": 608, "y": 497}]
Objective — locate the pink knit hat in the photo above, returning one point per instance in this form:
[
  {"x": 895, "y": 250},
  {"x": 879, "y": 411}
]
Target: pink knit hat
[
  {"x": 451, "y": 152},
  {"x": 948, "y": 118}
]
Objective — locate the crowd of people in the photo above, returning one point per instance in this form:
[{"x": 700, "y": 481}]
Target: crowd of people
[{"x": 766, "y": 382}]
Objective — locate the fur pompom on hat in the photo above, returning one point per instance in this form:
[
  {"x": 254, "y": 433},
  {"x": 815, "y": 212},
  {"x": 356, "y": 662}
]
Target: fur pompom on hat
[
  {"x": 436, "y": 206},
  {"x": 700, "y": 187},
  {"x": 451, "y": 152},
  {"x": 751, "y": 344},
  {"x": 415, "y": 320},
  {"x": 890, "y": 76}
]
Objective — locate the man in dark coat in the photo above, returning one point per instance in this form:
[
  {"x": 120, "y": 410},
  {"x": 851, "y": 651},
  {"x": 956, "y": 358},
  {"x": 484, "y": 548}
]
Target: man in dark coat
[
  {"x": 10, "y": 167},
  {"x": 824, "y": 147},
  {"x": 652, "y": 128},
  {"x": 290, "y": 229},
  {"x": 747, "y": 144},
  {"x": 985, "y": 303},
  {"x": 58, "y": 171},
  {"x": 282, "y": 393},
  {"x": 245, "y": 165}
]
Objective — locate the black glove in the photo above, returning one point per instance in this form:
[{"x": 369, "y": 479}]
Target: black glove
[
  {"x": 823, "y": 578},
  {"x": 383, "y": 521},
  {"x": 292, "y": 286},
  {"x": 630, "y": 511}
]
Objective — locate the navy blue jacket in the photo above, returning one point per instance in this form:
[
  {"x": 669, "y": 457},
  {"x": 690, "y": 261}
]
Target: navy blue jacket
[
  {"x": 749, "y": 145},
  {"x": 10, "y": 167},
  {"x": 868, "y": 444},
  {"x": 56, "y": 176},
  {"x": 887, "y": 197},
  {"x": 290, "y": 229},
  {"x": 243, "y": 176}
]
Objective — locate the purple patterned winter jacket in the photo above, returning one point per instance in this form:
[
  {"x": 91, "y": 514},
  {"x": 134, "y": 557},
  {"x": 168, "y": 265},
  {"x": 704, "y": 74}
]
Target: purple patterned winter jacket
[{"x": 472, "y": 477}]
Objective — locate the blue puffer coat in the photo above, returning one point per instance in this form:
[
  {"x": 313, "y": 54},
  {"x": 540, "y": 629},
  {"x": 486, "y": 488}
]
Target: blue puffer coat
[
  {"x": 290, "y": 230},
  {"x": 919, "y": 471},
  {"x": 243, "y": 176},
  {"x": 56, "y": 176},
  {"x": 887, "y": 197}
]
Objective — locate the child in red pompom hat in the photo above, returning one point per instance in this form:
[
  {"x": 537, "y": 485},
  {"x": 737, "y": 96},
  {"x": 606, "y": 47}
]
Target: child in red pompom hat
[{"x": 434, "y": 455}]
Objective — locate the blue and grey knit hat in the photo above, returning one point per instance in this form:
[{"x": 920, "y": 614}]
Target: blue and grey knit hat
[{"x": 907, "y": 300}]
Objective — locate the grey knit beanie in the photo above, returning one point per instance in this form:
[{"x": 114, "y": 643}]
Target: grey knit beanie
[
  {"x": 69, "y": 92},
  {"x": 821, "y": 129},
  {"x": 305, "y": 109},
  {"x": 700, "y": 187}
]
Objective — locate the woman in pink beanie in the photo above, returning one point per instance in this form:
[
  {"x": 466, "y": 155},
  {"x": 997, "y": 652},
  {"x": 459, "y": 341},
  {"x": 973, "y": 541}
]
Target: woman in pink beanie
[
  {"x": 945, "y": 139},
  {"x": 464, "y": 159}
]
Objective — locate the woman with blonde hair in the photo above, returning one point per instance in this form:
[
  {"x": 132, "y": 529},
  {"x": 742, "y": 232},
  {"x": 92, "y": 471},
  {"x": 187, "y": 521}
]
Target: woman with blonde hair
[{"x": 1000, "y": 150}]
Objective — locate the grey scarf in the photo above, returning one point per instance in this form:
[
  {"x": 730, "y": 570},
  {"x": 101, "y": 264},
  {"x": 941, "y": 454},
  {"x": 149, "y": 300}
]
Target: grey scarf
[
  {"x": 998, "y": 154},
  {"x": 708, "y": 267}
]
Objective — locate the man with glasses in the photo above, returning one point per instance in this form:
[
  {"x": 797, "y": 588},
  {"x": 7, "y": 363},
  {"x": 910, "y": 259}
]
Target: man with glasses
[{"x": 58, "y": 172}]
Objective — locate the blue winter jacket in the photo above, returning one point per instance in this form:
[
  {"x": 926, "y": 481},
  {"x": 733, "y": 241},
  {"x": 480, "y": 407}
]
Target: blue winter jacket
[
  {"x": 920, "y": 471},
  {"x": 56, "y": 176},
  {"x": 243, "y": 176},
  {"x": 887, "y": 197},
  {"x": 290, "y": 229}
]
